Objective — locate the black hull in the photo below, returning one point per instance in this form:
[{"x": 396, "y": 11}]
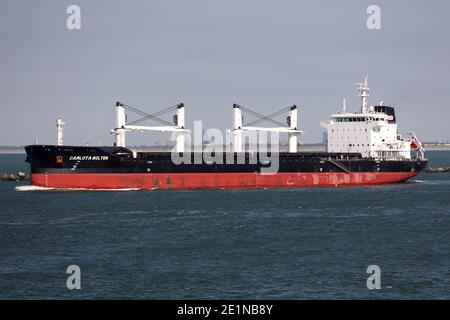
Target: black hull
[{"x": 66, "y": 159}]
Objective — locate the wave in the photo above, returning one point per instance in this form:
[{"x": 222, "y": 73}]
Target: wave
[{"x": 32, "y": 188}]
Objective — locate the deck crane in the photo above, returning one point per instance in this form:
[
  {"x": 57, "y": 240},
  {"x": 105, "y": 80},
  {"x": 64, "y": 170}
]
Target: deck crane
[
  {"x": 178, "y": 125},
  {"x": 291, "y": 128}
]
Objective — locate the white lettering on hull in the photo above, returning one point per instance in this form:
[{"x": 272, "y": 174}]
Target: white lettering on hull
[{"x": 88, "y": 158}]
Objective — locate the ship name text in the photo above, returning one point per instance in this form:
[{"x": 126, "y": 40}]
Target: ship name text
[{"x": 88, "y": 158}]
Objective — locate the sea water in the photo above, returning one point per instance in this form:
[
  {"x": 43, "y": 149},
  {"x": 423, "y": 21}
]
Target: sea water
[{"x": 305, "y": 243}]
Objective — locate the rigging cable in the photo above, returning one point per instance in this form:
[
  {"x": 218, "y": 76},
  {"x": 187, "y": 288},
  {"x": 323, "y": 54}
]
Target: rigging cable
[{"x": 153, "y": 116}]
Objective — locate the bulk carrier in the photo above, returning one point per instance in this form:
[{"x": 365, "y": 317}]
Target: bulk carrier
[{"x": 363, "y": 148}]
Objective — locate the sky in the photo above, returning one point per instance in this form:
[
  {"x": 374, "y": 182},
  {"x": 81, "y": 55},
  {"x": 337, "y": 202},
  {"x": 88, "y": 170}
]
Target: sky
[{"x": 261, "y": 54}]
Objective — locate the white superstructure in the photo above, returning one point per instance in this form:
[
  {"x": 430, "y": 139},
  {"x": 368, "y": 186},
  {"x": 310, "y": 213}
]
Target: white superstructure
[{"x": 372, "y": 131}]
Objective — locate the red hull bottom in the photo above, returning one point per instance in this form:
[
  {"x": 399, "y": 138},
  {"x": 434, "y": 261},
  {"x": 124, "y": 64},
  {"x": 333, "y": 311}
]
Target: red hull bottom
[{"x": 214, "y": 180}]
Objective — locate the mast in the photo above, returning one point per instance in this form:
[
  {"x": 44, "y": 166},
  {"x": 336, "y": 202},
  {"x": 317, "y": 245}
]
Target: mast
[
  {"x": 363, "y": 92},
  {"x": 237, "y": 128},
  {"x": 180, "y": 135},
  {"x": 120, "y": 124},
  {"x": 59, "y": 132},
  {"x": 293, "y": 140}
]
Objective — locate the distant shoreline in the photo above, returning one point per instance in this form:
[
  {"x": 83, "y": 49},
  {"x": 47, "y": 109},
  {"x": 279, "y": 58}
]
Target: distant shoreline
[
  {"x": 436, "y": 147},
  {"x": 18, "y": 151}
]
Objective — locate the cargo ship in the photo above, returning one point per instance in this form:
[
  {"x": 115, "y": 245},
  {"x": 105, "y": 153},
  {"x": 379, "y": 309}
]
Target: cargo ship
[{"x": 362, "y": 148}]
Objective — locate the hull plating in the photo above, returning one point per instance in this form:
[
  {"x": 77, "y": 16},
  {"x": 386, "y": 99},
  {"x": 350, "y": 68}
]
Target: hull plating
[{"x": 214, "y": 180}]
